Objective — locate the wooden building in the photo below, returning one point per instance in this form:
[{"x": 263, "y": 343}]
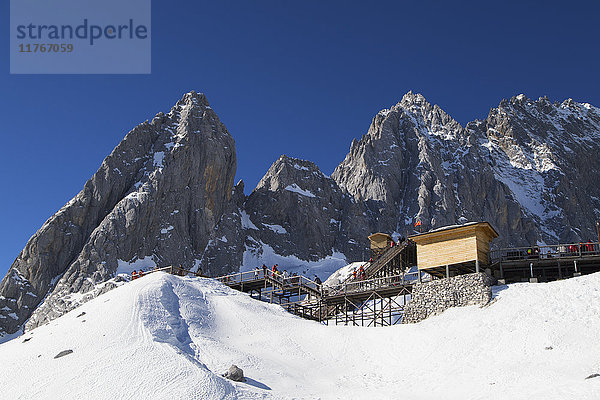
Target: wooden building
[
  {"x": 380, "y": 242},
  {"x": 455, "y": 250}
]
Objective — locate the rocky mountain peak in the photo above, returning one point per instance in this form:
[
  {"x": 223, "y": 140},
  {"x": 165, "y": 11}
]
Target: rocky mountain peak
[
  {"x": 286, "y": 171},
  {"x": 413, "y": 99},
  {"x": 154, "y": 201}
]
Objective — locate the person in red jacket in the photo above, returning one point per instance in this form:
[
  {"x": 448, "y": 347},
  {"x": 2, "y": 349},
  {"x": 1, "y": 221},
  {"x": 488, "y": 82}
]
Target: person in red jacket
[{"x": 134, "y": 275}]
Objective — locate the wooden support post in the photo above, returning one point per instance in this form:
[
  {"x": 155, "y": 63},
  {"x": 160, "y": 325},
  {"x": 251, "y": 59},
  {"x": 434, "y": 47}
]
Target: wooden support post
[
  {"x": 447, "y": 271},
  {"x": 477, "y": 266},
  {"x": 559, "y": 271},
  {"x": 501, "y": 271}
]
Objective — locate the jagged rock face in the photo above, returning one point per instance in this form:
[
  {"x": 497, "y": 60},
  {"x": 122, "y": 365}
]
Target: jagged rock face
[
  {"x": 547, "y": 154},
  {"x": 296, "y": 215},
  {"x": 417, "y": 163},
  {"x": 158, "y": 196},
  {"x": 299, "y": 211},
  {"x": 224, "y": 251}
]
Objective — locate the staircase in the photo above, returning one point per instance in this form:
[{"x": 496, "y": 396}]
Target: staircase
[{"x": 385, "y": 258}]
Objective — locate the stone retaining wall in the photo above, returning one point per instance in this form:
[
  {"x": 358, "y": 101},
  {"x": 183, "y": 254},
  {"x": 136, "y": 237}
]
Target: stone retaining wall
[{"x": 432, "y": 298}]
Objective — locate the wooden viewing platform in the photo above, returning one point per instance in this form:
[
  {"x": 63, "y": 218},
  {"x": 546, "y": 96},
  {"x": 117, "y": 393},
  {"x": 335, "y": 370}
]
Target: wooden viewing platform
[
  {"x": 377, "y": 300},
  {"x": 272, "y": 287},
  {"x": 368, "y": 302},
  {"x": 545, "y": 263}
]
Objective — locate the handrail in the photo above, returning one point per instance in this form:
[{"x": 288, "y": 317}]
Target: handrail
[
  {"x": 250, "y": 276},
  {"x": 170, "y": 269},
  {"x": 388, "y": 255},
  {"x": 556, "y": 251},
  {"x": 404, "y": 279}
]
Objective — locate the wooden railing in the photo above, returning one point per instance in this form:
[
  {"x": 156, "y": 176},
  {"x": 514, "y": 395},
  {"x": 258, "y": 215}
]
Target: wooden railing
[
  {"x": 385, "y": 258},
  {"x": 173, "y": 271},
  {"x": 287, "y": 282},
  {"x": 558, "y": 251},
  {"x": 408, "y": 278}
]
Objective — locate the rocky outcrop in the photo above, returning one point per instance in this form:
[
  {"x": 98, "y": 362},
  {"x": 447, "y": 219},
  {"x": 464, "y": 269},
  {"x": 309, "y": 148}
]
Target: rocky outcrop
[
  {"x": 435, "y": 297},
  {"x": 157, "y": 197},
  {"x": 235, "y": 373}
]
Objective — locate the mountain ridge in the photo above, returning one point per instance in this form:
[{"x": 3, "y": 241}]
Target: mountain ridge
[{"x": 166, "y": 195}]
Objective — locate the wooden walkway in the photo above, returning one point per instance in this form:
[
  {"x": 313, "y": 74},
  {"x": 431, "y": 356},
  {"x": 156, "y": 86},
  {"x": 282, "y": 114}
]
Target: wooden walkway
[
  {"x": 377, "y": 300},
  {"x": 546, "y": 263},
  {"x": 272, "y": 287}
]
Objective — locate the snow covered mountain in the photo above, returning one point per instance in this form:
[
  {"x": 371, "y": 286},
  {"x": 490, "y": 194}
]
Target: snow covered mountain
[
  {"x": 165, "y": 196},
  {"x": 154, "y": 201},
  {"x": 168, "y": 337},
  {"x": 547, "y": 155},
  {"x": 521, "y": 169}
]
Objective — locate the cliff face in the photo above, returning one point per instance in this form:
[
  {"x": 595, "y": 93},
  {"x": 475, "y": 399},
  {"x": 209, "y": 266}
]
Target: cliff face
[
  {"x": 165, "y": 196},
  {"x": 417, "y": 163},
  {"x": 546, "y": 154},
  {"x": 156, "y": 199}
]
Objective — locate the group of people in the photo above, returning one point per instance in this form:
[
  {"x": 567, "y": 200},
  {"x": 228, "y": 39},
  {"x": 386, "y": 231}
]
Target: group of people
[
  {"x": 563, "y": 250},
  {"x": 137, "y": 274},
  {"x": 274, "y": 272},
  {"x": 588, "y": 247},
  {"x": 359, "y": 274}
]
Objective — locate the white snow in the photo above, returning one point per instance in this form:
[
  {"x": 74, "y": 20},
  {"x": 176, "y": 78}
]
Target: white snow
[
  {"x": 298, "y": 167},
  {"x": 146, "y": 263},
  {"x": 296, "y": 189},
  {"x": 523, "y": 177},
  {"x": 342, "y": 274},
  {"x": 246, "y": 221},
  {"x": 167, "y": 229},
  {"x": 261, "y": 253},
  {"x": 159, "y": 156},
  {"x": 276, "y": 228},
  {"x": 169, "y": 337},
  {"x": 55, "y": 279}
]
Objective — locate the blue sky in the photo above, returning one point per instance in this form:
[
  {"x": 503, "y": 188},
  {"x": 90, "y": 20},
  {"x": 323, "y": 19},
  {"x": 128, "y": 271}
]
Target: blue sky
[{"x": 297, "y": 78}]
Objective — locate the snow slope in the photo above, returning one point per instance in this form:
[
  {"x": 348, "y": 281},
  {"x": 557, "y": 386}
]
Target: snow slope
[
  {"x": 342, "y": 274},
  {"x": 169, "y": 337}
]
